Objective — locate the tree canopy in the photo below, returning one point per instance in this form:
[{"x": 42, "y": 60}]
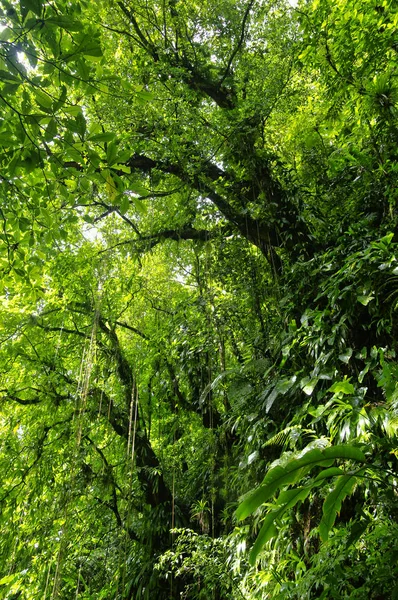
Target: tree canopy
[{"x": 198, "y": 335}]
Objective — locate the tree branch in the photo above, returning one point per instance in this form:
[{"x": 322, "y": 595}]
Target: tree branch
[
  {"x": 239, "y": 44},
  {"x": 22, "y": 401},
  {"x": 133, "y": 329}
]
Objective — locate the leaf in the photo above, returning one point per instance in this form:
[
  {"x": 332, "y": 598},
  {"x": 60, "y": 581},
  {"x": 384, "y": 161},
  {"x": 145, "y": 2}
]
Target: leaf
[
  {"x": 111, "y": 188},
  {"x": 282, "y": 437},
  {"x": 106, "y": 136},
  {"x": 124, "y": 204},
  {"x": 332, "y": 504},
  {"x": 362, "y": 374},
  {"x": 282, "y": 387},
  {"x": 73, "y": 110},
  {"x": 61, "y": 100},
  {"x": 6, "y": 76},
  {"x": 51, "y": 130},
  {"x": 285, "y": 501},
  {"x": 252, "y": 457},
  {"x": 365, "y": 299},
  {"x": 6, "y": 34},
  {"x": 122, "y": 168},
  {"x": 65, "y": 23},
  {"x": 43, "y": 99},
  {"x": 310, "y": 385},
  {"x": 357, "y": 529},
  {"x": 387, "y": 239},
  {"x": 80, "y": 123},
  {"x": 8, "y": 579},
  {"x": 10, "y": 88},
  {"x": 297, "y": 467},
  {"x": 30, "y": 5},
  {"x": 111, "y": 153},
  {"x": 331, "y": 472},
  {"x": 144, "y": 96},
  {"x": 213, "y": 384},
  {"x": 346, "y": 355},
  {"x": 342, "y": 387},
  {"x": 92, "y": 49},
  {"x": 139, "y": 205}
]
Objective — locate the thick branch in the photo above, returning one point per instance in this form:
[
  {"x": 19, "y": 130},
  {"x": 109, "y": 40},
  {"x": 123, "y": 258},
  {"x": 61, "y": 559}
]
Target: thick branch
[
  {"x": 131, "y": 328},
  {"x": 36, "y": 321},
  {"x": 263, "y": 235},
  {"x": 22, "y": 401},
  {"x": 186, "y": 233},
  {"x": 255, "y": 230}
]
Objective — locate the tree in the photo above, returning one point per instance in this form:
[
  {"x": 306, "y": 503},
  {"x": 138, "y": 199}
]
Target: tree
[{"x": 198, "y": 276}]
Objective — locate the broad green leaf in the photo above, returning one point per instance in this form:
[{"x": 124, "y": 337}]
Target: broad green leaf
[
  {"x": 111, "y": 153},
  {"x": 92, "y": 49},
  {"x": 61, "y": 100},
  {"x": 122, "y": 168},
  {"x": 365, "y": 299},
  {"x": 65, "y": 23},
  {"x": 289, "y": 474},
  {"x": 73, "y": 110},
  {"x": 80, "y": 123},
  {"x": 346, "y": 355},
  {"x": 124, "y": 204},
  {"x": 43, "y": 99},
  {"x": 357, "y": 529},
  {"x": 10, "y": 89},
  {"x": 51, "y": 130},
  {"x": 106, "y": 136},
  {"x": 144, "y": 96},
  {"x": 332, "y": 504},
  {"x": 139, "y": 205},
  {"x": 342, "y": 387},
  {"x": 309, "y": 385},
  {"x": 268, "y": 530},
  {"x": 6, "y": 34},
  {"x": 137, "y": 188},
  {"x": 6, "y": 76},
  {"x": 387, "y": 239},
  {"x": 7, "y": 138},
  {"x": 331, "y": 472}
]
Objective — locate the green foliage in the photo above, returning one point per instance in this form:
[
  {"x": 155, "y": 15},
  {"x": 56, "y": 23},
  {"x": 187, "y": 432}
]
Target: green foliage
[
  {"x": 198, "y": 286},
  {"x": 290, "y": 473},
  {"x": 197, "y": 563}
]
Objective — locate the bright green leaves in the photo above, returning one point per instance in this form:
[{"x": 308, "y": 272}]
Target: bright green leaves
[
  {"x": 342, "y": 388},
  {"x": 289, "y": 474},
  {"x": 280, "y": 476}
]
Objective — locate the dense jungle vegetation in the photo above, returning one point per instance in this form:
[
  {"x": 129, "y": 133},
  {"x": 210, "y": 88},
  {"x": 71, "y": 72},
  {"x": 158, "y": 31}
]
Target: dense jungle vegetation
[{"x": 199, "y": 294}]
